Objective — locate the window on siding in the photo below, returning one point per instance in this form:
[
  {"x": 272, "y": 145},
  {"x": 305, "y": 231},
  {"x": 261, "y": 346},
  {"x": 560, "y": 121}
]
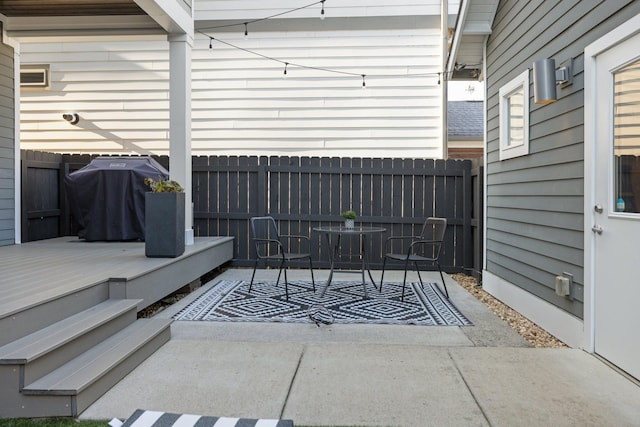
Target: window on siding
[
  {"x": 34, "y": 76},
  {"x": 514, "y": 117}
]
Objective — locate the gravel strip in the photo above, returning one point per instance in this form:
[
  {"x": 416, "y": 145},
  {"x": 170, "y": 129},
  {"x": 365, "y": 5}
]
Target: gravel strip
[{"x": 531, "y": 332}]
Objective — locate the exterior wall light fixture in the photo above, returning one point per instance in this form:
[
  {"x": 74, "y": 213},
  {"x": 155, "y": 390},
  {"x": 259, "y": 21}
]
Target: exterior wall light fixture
[
  {"x": 72, "y": 118},
  {"x": 546, "y": 77}
]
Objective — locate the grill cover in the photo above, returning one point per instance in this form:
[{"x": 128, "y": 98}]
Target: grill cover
[{"x": 106, "y": 197}]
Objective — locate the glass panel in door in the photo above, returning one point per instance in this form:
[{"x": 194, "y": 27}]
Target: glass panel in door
[{"x": 626, "y": 139}]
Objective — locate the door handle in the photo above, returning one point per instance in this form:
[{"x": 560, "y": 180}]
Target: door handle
[{"x": 597, "y": 229}]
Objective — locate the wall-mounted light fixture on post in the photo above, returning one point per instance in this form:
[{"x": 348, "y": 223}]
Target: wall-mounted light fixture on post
[
  {"x": 72, "y": 118},
  {"x": 546, "y": 77}
]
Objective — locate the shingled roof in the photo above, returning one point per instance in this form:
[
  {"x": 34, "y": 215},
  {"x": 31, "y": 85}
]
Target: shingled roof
[{"x": 465, "y": 119}]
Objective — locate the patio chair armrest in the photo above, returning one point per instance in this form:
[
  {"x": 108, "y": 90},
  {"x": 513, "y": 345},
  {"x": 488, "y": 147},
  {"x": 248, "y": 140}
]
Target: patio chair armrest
[
  {"x": 294, "y": 236},
  {"x": 403, "y": 238},
  {"x": 261, "y": 241},
  {"x": 425, "y": 242},
  {"x": 264, "y": 247},
  {"x": 298, "y": 237},
  {"x": 392, "y": 239},
  {"x": 435, "y": 244}
]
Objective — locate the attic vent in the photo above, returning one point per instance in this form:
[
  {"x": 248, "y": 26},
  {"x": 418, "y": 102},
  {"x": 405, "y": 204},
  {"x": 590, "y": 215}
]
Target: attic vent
[{"x": 34, "y": 77}]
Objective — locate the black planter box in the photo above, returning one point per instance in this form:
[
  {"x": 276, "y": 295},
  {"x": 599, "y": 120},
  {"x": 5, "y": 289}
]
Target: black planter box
[{"x": 164, "y": 225}]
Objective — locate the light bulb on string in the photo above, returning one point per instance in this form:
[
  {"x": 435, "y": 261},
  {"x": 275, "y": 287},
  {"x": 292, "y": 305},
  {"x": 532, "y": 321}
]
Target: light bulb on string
[
  {"x": 322, "y": 10},
  {"x": 440, "y": 75},
  {"x": 246, "y": 29}
]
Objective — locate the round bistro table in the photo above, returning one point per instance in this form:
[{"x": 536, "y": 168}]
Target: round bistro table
[{"x": 334, "y": 251}]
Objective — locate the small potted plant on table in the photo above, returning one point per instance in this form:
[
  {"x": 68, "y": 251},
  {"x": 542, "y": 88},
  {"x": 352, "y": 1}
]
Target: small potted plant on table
[
  {"x": 349, "y": 218},
  {"x": 164, "y": 219}
]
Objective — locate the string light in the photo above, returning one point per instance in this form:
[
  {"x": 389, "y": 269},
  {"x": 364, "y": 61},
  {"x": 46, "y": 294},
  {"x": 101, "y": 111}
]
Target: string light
[
  {"x": 268, "y": 17},
  {"x": 287, "y": 64}
]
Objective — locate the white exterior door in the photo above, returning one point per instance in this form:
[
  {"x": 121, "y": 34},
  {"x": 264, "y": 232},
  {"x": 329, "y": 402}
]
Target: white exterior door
[{"x": 616, "y": 213}]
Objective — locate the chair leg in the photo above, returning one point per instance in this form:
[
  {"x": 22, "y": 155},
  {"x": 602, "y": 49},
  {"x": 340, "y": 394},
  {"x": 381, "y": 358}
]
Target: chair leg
[
  {"x": 404, "y": 281},
  {"x": 313, "y": 281},
  {"x": 384, "y": 263},
  {"x": 279, "y": 273},
  {"x": 418, "y": 271},
  {"x": 255, "y": 265},
  {"x": 286, "y": 285},
  {"x": 443, "y": 282}
]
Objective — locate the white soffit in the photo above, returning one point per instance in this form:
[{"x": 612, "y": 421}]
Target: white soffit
[
  {"x": 154, "y": 17},
  {"x": 473, "y": 26}
]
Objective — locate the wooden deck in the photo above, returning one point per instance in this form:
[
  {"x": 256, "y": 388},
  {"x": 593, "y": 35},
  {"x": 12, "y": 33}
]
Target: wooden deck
[
  {"x": 68, "y": 324},
  {"x": 37, "y": 272}
]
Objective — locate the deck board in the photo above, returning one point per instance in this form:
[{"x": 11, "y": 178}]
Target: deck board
[{"x": 38, "y": 271}]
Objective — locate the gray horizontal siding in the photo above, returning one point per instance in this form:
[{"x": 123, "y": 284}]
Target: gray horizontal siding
[
  {"x": 7, "y": 148},
  {"x": 535, "y": 203},
  {"x": 528, "y": 279},
  {"x": 549, "y": 218}
]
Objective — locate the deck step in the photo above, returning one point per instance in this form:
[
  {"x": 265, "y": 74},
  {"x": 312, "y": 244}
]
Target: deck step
[
  {"x": 47, "y": 349},
  {"x": 95, "y": 371},
  {"x": 29, "y": 348},
  {"x": 21, "y": 316}
]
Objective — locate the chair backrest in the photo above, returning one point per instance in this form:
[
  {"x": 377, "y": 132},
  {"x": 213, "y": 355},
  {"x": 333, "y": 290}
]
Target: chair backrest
[
  {"x": 433, "y": 230},
  {"x": 265, "y": 235}
]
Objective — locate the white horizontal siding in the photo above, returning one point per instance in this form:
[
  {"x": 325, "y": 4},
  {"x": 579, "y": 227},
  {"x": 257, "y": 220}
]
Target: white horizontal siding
[{"x": 241, "y": 102}]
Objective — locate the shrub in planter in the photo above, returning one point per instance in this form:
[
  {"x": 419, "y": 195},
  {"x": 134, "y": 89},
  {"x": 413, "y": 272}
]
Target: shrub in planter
[{"x": 349, "y": 218}]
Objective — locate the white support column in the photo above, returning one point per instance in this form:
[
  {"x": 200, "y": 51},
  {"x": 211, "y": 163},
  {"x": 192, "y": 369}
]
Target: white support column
[
  {"x": 180, "y": 46},
  {"x": 444, "y": 78}
]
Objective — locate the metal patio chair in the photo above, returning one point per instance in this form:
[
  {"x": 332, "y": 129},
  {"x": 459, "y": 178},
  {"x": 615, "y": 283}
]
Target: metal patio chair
[
  {"x": 272, "y": 247},
  {"x": 415, "y": 250}
]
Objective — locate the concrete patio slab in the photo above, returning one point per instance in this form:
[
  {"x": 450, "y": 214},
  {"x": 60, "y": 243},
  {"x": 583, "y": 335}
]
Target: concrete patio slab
[
  {"x": 547, "y": 387},
  {"x": 372, "y": 375},
  {"x": 371, "y": 385},
  {"x": 433, "y": 336},
  {"x": 250, "y": 380}
]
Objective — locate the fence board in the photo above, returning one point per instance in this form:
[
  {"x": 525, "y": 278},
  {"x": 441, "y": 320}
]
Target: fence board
[
  {"x": 41, "y": 209},
  {"x": 200, "y": 183}
]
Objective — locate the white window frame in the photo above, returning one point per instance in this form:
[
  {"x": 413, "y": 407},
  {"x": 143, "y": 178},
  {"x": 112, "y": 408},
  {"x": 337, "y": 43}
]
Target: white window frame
[
  {"x": 43, "y": 69},
  {"x": 507, "y": 150}
]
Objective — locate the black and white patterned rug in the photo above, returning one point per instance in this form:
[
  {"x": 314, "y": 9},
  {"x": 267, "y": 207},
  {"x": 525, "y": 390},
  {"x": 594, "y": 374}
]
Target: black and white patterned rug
[{"x": 343, "y": 302}]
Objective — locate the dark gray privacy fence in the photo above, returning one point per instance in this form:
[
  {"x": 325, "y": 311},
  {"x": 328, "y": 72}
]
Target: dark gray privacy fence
[{"x": 300, "y": 193}]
